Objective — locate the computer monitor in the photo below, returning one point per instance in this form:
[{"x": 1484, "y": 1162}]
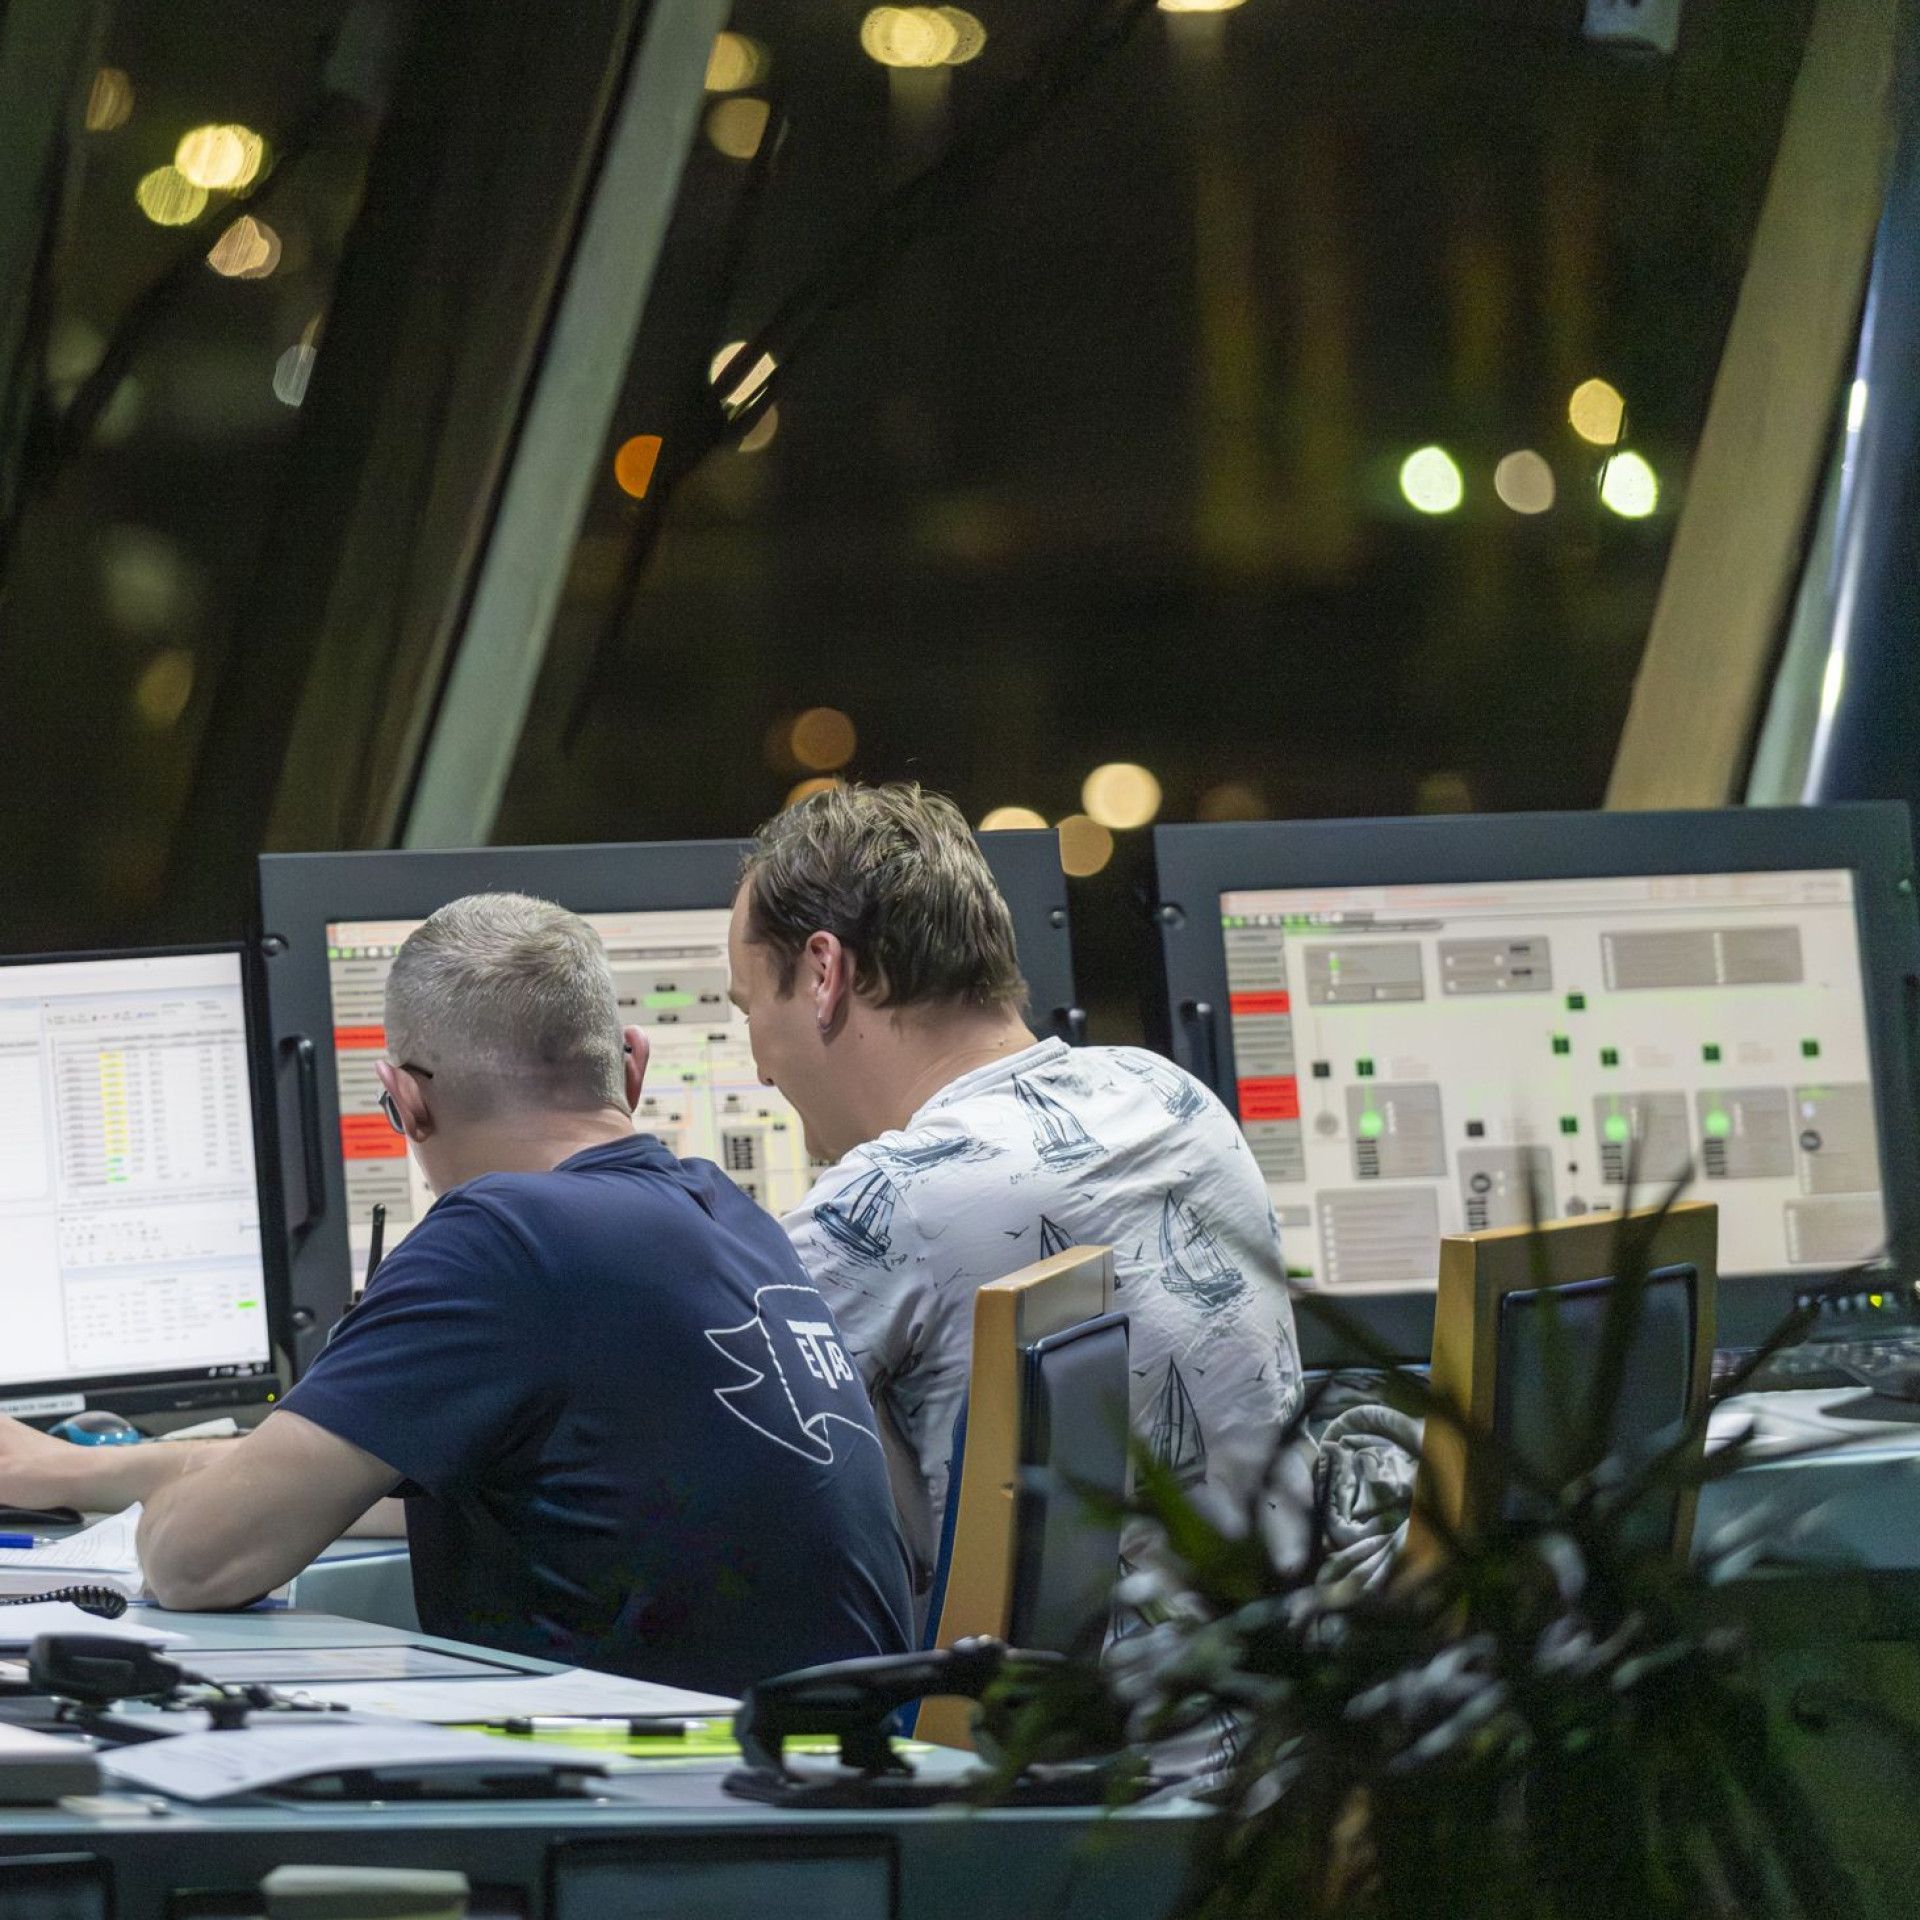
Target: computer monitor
[
  {"x": 331, "y": 923},
  {"x": 1430, "y": 1026},
  {"x": 139, "y": 1274}
]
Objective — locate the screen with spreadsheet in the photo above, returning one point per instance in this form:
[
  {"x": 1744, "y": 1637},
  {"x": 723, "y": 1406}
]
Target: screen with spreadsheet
[
  {"x": 1414, "y": 1060},
  {"x": 129, "y": 1206},
  {"x": 702, "y": 1096}
]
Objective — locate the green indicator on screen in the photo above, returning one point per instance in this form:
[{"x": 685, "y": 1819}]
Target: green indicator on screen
[
  {"x": 1372, "y": 1126},
  {"x": 667, "y": 1000},
  {"x": 1576, "y": 1003},
  {"x": 1609, "y": 1056},
  {"x": 1810, "y": 1049},
  {"x": 1718, "y": 1124},
  {"x": 245, "y": 1306},
  {"x": 1568, "y": 1124},
  {"x": 1710, "y": 1053},
  {"x": 1363, "y": 1069},
  {"x": 1561, "y": 1044},
  {"x": 1616, "y": 1127}
]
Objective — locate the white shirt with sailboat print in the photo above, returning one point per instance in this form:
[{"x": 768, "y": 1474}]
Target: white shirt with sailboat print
[{"x": 1051, "y": 1148}]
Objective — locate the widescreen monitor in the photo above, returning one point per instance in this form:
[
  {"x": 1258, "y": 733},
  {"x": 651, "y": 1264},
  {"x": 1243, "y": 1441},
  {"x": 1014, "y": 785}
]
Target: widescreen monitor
[
  {"x": 1435, "y": 1027},
  {"x": 131, "y": 1220},
  {"x": 332, "y": 923}
]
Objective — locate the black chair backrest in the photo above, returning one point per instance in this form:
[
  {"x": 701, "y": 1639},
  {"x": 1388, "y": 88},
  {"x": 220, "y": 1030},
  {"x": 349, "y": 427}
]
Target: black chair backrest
[
  {"x": 1529, "y": 1415},
  {"x": 1067, "y": 1552}
]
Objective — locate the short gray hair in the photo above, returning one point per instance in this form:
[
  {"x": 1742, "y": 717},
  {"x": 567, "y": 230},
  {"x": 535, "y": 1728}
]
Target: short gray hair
[
  {"x": 895, "y": 873},
  {"x": 509, "y": 1000}
]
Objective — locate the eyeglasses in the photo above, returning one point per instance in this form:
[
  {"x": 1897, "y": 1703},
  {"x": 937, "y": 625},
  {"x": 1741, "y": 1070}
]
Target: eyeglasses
[{"x": 387, "y": 1104}]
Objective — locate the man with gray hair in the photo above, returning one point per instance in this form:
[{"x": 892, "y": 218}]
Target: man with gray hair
[{"x": 627, "y": 1432}]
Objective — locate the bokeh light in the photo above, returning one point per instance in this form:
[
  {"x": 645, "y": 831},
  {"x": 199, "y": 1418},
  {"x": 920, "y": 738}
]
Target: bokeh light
[
  {"x": 1431, "y": 481},
  {"x": 165, "y": 686},
  {"x": 1629, "y": 487},
  {"x": 744, "y": 385},
  {"x": 1596, "y": 412},
  {"x": 1444, "y": 792},
  {"x": 969, "y": 36},
  {"x": 736, "y": 127},
  {"x": 109, "y": 100},
  {"x": 1233, "y": 800},
  {"x": 735, "y": 62},
  {"x": 294, "y": 368},
  {"x": 760, "y": 435},
  {"x": 822, "y": 738},
  {"x": 1004, "y": 819},
  {"x": 1524, "y": 482},
  {"x": 633, "y": 465},
  {"x": 1199, "y": 6},
  {"x": 909, "y": 37},
  {"x": 169, "y": 199},
  {"x": 821, "y": 783},
  {"x": 224, "y": 159},
  {"x": 1121, "y": 794},
  {"x": 1856, "y": 406},
  {"x": 1085, "y": 845},
  {"x": 248, "y": 250}
]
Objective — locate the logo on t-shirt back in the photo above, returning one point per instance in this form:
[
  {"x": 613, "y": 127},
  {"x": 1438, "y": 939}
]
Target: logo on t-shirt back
[{"x": 798, "y": 1377}]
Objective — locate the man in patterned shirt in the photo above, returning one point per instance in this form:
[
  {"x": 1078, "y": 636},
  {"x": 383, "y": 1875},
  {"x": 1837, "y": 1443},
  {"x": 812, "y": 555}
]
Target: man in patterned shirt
[{"x": 874, "y": 959}]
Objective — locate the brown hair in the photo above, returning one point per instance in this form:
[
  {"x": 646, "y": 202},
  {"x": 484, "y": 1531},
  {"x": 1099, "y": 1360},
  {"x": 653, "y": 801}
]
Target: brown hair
[{"x": 895, "y": 873}]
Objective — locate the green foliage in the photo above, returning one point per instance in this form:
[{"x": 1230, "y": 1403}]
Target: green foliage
[{"x": 1553, "y": 1720}]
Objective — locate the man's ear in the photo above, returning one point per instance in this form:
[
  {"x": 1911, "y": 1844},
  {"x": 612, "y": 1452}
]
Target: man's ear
[
  {"x": 638, "y": 1052},
  {"x": 828, "y": 976},
  {"x": 415, "y": 1114}
]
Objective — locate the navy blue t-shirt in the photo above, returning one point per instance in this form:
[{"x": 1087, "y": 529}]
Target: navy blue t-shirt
[{"x": 634, "y": 1440}]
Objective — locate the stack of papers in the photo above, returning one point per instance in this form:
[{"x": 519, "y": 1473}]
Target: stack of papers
[
  {"x": 214, "y": 1766},
  {"x": 103, "y": 1555},
  {"x": 573, "y": 1692},
  {"x": 23, "y": 1624}
]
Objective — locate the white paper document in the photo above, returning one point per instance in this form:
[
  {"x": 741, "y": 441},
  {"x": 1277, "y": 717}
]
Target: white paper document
[
  {"x": 522, "y": 1696},
  {"x": 103, "y": 1554},
  {"x": 21, "y": 1625},
  {"x": 214, "y": 1766}
]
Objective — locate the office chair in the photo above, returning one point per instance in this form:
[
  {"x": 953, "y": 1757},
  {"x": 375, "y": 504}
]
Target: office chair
[
  {"x": 1022, "y": 1557},
  {"x": 1499, "y": 1293}
]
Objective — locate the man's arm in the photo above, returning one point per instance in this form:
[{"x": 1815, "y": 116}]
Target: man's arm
[{"x": 245, "y": 1517}]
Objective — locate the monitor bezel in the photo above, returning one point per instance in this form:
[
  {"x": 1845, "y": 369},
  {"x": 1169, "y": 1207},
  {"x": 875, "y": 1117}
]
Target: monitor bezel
[
  {"x": 166, "y": 1391},
  {"x": 1194, "y": 865},
  {"x": 302, "y": 894}
]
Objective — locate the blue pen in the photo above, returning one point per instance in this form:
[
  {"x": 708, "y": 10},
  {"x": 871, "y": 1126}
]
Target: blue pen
[{"x": 22, "y": 1540}]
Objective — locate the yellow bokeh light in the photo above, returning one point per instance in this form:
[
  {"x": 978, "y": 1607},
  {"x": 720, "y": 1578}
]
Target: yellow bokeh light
[
  {"x": 736, "y": 127},
  {"x": 1003, "y": 819},
  {"x": 735, "y": 62},
  {"x": 169, "y": 199},
  {"x": 823, "y": 783},
  {"x": 1524, "y": 482},
  {"x": 1431, "y": 481},
  {"x": 742, "y": 385},
  {"x": 221, "y": 158},
  {"x": 109, "y": 100},
  {"x": 822, "y": 738},
  {"x": 1121, "y": 794},
  {"x": 1233, "y": 800},
  {"x": 1447, "y": 791},
  {"x": 1596, "y": 412},
  {"x": 1200, "y": 6},
  {"x": 1629, "y": 487},
  {"x": 634, "y": 463},
  {"x": 909, "y": 37},
  {"x": 165, "y": 686},
  {"x": 760, "y": 435},
  {"x": 1085, "y": 845},
  {"x": 969, "y": 36},
  {"x": 248, "y": 250}
]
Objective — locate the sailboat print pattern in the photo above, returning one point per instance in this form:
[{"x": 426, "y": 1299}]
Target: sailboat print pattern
[
  {"x": 1192, "y": 1265},
  {"x": 1058, "y": 1137},
  {"x": 910, "y": 1163},
  {"x": 1178, "y": 1440},
  {"x": 1054, "y": 1238},
  {"x": 861, "y": 1220},
  {"x": 1180, "y": 1096}
]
